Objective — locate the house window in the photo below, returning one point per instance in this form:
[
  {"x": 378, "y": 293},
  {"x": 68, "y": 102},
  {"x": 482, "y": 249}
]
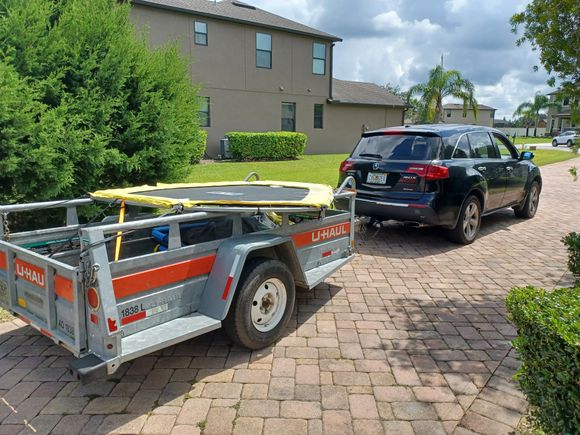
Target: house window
[
  {"x": 288, "y": 116},
  {"x": 449, "y": 114},
  {"x": 566, "y": 101},
  {"x": 263, "y": 50},
  {"x": 464, "y": 114},
  {"x": 200, "y": 29},
  {"x": 204, "y": 114},
  {"x": 318, "y": 115},
  {"x": 318, "y": 58}
]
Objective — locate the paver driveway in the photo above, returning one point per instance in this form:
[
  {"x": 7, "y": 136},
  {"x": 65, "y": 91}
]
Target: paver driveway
[{"x": 412, "y": 337}]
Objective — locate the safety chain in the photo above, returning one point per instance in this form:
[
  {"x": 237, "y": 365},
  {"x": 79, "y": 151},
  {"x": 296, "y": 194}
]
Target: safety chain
[{"x": 6, "y": 227}]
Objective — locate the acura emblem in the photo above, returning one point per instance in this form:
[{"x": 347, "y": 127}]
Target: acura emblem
[{"x": 376, "y": 166}]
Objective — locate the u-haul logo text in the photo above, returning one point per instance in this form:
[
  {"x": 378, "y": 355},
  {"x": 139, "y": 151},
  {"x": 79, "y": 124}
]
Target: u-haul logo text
[
  {"x": 330, "y": 233},
  {"x": 30, "y": 273},
  {"x": 321, "y": 234}
]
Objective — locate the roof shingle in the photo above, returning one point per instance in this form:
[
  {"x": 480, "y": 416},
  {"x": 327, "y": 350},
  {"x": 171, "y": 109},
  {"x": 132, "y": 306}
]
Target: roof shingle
[
  {"x": 233, "y": 10},
  {"x": 348, "y": 92}
]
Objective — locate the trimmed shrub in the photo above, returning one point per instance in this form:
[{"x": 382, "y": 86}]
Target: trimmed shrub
[
  {"x": 276, "y": 145},
  {"x": 572, "y": 242},
  {"x": 548, "y": 344}
]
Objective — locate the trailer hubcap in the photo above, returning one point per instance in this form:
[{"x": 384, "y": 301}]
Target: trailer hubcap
[{"x": 268, "y": 305}]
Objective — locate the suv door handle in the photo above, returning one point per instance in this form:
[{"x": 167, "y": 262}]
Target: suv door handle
[{"x": 482, "y": 168}]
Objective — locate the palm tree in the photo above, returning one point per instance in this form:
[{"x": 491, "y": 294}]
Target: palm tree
[
  {"x": 532, "y": 109},
  {"x": 443, "y": 83}
]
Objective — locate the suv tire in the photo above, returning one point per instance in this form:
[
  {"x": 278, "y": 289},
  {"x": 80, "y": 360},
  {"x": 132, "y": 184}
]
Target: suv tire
[
  {"x": 529, "y": 207},
  {"x": 467, "y": 228}
]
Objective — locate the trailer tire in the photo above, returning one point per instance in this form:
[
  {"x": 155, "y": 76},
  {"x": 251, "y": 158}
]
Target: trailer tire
[{"x": 262, "y": 304}]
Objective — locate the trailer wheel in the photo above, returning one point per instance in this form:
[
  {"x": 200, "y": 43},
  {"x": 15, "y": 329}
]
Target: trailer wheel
[{"x": 262, "y": 304}]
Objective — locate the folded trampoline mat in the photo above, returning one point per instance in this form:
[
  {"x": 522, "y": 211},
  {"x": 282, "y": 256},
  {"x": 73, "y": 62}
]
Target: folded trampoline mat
[{"x": 234, "y": 193}]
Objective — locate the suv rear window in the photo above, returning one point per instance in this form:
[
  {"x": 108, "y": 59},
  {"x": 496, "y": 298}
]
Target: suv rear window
[{"x": 398, "y": 147}]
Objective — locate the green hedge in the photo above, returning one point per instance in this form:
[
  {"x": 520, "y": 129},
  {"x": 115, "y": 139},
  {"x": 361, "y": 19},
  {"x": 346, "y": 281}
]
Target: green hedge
[
  {"x": 278, "y": 145},
  {"x": 572, "y": 242},
  {"x": 548, "y": 344}
]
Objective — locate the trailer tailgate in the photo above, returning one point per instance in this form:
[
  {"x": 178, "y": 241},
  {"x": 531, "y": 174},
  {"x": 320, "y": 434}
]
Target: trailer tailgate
[{"x": 46, "y": 294}]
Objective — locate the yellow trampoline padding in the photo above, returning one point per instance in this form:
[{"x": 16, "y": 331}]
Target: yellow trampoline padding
[{"x": 319, "y": 195}]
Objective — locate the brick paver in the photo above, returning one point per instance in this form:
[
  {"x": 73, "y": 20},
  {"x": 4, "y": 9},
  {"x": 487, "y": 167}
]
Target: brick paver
[{"x": 410, "y": 338}]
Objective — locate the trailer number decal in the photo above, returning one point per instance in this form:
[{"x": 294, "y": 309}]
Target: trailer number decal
[
  {"x": 134, "y": 314},
  {"x": 321, "y": 234},
  {"x": 30, "y": 273}
]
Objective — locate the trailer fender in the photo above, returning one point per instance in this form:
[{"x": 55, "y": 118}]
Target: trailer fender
[{"x": 230, "y": 260}]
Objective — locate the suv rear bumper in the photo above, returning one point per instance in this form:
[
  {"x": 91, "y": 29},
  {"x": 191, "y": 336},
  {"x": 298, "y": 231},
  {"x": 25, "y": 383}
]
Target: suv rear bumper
[{"x": 422, "y": 211}]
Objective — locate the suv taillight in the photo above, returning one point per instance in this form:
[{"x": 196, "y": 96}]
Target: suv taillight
[
  {"x": 347, "y": 165},
  {"x": 429, "y": 172}
]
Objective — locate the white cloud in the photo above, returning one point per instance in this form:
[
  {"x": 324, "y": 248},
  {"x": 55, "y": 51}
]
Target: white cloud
[{"x": 391, "y": 20}]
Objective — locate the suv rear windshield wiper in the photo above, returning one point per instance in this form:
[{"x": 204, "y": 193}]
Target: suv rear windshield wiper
[{"x": 374, "y": 156}]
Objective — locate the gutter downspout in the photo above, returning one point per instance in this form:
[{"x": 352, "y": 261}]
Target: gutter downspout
[{"x": 330, "y": 69}]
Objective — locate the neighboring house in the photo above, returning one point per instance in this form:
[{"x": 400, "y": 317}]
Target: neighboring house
[
  {"x": 261, "y": 72},
  {"x": 453, "y": 114},
  {"x": 559, "y": 118}
]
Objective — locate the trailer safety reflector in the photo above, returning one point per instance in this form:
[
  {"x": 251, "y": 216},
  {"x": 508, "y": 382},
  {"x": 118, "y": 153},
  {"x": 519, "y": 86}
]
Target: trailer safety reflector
[
  {"x": 64, "y": 288},
  {"x": 93, "y": 298},
  {"x": 230, "y": 279},
  {"x": 149, "y": 279},
  {"x": 94, "y": 318},
  {"x": 3, "y": 260},
  {"x": 321, "y": 235}
]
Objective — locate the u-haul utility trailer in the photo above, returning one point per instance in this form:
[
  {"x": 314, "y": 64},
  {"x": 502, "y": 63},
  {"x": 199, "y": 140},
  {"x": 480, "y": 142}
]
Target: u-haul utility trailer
[{"x": 223, "y": 254}]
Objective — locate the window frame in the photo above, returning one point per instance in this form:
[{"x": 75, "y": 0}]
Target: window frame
[
  {"x": 260, "y": 50},
  {"x": 208, "y": 113},
  {"x": 314, "y": 58},
  {"x": 494, "y": 147},
  {"x": 510, "y": 147},
  {"x": 457, "y": 145},
  {"x": 321, "y": 116},
  {"x": 282, "y": 118},
  {"x": 195, "y": 33}
]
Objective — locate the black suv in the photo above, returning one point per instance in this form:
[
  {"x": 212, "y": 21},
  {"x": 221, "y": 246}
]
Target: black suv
[{"x": 446, "y": 175}]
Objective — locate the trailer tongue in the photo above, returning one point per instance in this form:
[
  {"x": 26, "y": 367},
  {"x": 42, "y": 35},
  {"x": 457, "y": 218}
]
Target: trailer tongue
[{"x": 222, "y": 254}]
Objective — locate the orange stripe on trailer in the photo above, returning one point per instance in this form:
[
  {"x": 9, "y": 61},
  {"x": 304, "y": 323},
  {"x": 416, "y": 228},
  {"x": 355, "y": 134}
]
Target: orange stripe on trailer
[
  {"x": 139, "y": 282},
  {"x": 63, "y": 287},
  {"x": 321, "y": 234},
  {"x": 45, "y": 332},
  {"x": 3, "y": 263}
]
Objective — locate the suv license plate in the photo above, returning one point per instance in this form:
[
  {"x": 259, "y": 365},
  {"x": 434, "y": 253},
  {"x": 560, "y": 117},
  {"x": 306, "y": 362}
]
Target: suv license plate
[{"x": 377, "y": 178}]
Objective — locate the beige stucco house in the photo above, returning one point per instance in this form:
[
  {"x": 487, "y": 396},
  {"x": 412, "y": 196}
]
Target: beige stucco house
[
  {"x": 261, "y": 72},
  {"x": 453, "y": 114},
  {"x": 559, "y": 118}
]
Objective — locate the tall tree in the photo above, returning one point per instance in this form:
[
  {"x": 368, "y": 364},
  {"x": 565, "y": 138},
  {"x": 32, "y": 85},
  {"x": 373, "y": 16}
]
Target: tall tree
[
  {"x": 85, "y": 104},
  {"x": 533, "y": 109},
  {"x": 442, "y": 83},
  {"x": 553, "y": 28}
]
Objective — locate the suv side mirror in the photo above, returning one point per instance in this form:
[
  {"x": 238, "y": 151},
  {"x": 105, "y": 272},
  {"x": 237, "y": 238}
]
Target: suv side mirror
[{"x": 526, "y": 155}]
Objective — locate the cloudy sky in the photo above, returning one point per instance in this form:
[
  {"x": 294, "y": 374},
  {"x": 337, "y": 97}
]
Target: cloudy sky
[{"x": 398, "y": 41}]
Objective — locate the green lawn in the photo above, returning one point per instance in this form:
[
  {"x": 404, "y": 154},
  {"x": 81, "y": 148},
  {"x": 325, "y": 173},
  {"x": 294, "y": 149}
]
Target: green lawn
[
  {"x": 321, "y": 168},
  {"x": 532, "y": 140}
]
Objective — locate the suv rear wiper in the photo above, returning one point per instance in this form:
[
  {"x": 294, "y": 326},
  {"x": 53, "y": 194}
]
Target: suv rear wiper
[{"x": 374, "y": 156}]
